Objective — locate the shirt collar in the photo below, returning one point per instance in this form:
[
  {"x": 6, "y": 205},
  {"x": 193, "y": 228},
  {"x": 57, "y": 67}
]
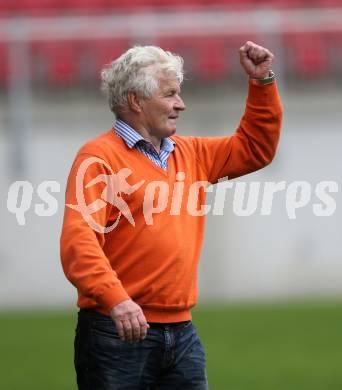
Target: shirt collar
[{"x": 132, "y": 137}]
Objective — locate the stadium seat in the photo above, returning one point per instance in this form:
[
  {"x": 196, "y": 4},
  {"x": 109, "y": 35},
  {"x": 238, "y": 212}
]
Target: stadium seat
[
  {"x": 176, "y": 3},
  {"x": 280, "y": 4},
  {"x": 4, "y": 8},
  {"x": 211, "y": 57},
  {"x": 327, "y": 3},
  {"x": 179, "y": 45},
  {"x": 88, "y": 6},
  {"x": 129, "y": 5},
  {"x": 236, "y": 4},
  {"x": 306, "y": 54},
  {"x": 206, "y": 57},
  {"x": 334, "y": 44},
  {"x": 4, "y": 65},
  {"x": 59, "y": 61},
  {"x": 38, "y": 7},
  {"x": 105, "y": 51}
]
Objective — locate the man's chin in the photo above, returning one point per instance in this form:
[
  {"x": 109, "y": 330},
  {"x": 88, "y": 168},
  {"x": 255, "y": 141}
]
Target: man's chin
[
  {"x": 168, "y": 131},
  {"x": 171, "y": 131}
]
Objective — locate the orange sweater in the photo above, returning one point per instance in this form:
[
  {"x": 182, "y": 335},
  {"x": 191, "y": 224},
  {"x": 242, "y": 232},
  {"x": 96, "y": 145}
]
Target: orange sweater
[{"x": 154, "y": 262}]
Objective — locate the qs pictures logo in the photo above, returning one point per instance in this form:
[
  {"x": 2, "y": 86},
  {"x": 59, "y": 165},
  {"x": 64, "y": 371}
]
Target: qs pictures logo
[
  {"x": 245, "y": 198},
  {"x": 116, "y": 184}
]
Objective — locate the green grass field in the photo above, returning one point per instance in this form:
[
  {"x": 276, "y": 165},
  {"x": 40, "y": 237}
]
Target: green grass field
[{"x": 249, "y": 347}]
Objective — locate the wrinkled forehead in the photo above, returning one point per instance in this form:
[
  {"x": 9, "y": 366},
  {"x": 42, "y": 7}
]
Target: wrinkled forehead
[{"x": 167, "y": 81}]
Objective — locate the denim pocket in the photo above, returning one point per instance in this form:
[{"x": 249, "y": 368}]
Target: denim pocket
[{"x": 105, "y": 328}]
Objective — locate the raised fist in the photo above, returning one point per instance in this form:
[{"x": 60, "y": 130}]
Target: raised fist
[{"x": 256, "y": 60}]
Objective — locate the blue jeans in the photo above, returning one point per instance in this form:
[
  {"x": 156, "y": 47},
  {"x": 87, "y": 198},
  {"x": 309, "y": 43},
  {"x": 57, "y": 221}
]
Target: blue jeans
[{"x": 170, "y": 357}]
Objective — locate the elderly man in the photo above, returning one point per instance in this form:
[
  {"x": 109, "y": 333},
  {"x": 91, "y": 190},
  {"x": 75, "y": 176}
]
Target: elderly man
[{"x": 134, "y": 220}]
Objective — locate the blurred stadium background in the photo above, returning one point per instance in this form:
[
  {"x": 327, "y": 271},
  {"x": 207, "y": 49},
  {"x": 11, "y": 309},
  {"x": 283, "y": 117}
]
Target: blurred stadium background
[{"x": 51, "y": 53}]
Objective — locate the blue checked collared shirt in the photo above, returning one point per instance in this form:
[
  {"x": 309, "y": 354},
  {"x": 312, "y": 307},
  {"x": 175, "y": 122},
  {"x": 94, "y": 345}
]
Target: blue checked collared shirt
[{"x": 134, "y": 140}]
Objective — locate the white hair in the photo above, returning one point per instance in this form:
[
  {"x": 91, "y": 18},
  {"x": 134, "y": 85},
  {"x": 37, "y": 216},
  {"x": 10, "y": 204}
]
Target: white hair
[{"x": 137, "y": 70}]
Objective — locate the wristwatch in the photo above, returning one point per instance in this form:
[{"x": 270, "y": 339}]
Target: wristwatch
[{"x": 267, "y": 80}]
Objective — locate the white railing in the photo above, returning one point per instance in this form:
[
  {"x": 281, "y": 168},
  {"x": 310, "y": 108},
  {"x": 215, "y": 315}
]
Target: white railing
[{"x": 159, "y": 24}]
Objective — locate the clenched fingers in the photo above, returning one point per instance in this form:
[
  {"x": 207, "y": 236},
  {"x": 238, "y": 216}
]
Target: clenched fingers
[
  {"x": 130, "y": 321},
  {"x": 143, "y": 326},
  {"x": 255, "y": 59}
]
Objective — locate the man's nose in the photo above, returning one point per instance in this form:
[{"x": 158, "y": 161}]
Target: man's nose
[{"x": 179, "y": 105}]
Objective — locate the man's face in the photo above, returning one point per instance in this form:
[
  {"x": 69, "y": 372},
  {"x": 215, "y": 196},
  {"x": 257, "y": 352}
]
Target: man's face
[{"x": 162, "y": 110}]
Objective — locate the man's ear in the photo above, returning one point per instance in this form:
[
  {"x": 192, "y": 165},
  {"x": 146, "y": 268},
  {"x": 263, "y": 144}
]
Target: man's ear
[{"x": 133, "y": 101}]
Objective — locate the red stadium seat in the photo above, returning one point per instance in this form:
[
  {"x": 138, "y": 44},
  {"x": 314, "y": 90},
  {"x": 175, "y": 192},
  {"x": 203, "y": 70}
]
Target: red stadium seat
[
  {"x": 38, "y": 7},
  {"x": 236, "y": 4},
  {"x": 4, "y": 65},
  {"x": 129, "y": 5},
  {"x": 59, "y": 62},
  {"x": 327, "y": 3},
  {"x": 206, "y": 57},
  {"x": 211, "y": 57},
  {"x": 4, "y": 7},
  {"x": 281, "y": 4},
  {"x": 334, "y": 44},
  {"x": 306, "y": 54},
  {"x": 176, "y": 3},
  {"x": 175, "y": 44},
  {"x": 179, "y": 45},
  {"x": 87, "y": 6},
  {"x": 105, "y": 51}
]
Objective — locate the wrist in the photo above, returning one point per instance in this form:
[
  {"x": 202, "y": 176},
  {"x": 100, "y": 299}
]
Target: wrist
[{"x": 265, "y": 80}]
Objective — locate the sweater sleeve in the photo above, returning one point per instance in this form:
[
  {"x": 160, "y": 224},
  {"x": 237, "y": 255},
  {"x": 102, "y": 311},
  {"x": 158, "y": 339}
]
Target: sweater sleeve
[
  {"x": 254, "y": 143},
  {"x": 81, "y": 245}
]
